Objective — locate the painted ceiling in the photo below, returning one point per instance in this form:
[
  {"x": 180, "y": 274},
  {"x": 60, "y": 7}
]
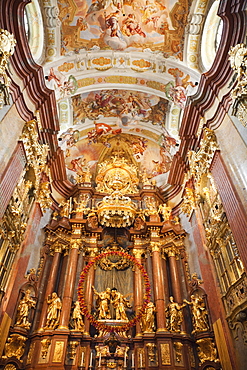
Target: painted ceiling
[
  {"x": 121, "y": 81},
  {"x": 123, "y": 25}
]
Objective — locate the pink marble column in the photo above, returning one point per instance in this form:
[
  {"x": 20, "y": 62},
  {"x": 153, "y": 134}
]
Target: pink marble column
[
  {"x": 138, "y": 291},
  {"x": 158, "y": 279},
  {"x": 88, "y": 289},
  {"x": 51, "y": 282},
  {"x": 69, "y": 283},
  {"x": 174, "y": 273}
]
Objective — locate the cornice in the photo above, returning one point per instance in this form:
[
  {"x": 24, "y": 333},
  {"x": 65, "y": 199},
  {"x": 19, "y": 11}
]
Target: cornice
[{"x": 234, "y": 17}]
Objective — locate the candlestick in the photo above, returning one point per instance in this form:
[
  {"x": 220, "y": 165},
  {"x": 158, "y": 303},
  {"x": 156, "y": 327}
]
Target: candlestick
[
  {"x": 125, "y": 359},
  {"x": 133, "y": 361},
  {"x": 82, "y": 358},
  {"x": 140, "y": 360},
  {"x": 99, "y": 360},
  {"x": 91, "y": 359}
]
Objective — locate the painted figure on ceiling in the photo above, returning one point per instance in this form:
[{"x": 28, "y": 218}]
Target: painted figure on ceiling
[{"x": 131, "y": 26}]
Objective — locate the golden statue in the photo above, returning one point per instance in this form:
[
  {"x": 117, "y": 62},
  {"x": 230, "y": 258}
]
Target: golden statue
[
  {"x": 199, "y": 314},
  {"x": 26, "y": 303},
  {"x": 92, "y": 220},
  {"x": 174, "y": 316},
  {"x": 65, "y": 208},
  {"x": 53, "y": 311},
  {"x": 77, "y": 320},
  {"x": 120, "y": 303},
  {"x": 147, "y": 320},
  {"x": 103, "y": 303},
  {"x": 165, "y": 211}
]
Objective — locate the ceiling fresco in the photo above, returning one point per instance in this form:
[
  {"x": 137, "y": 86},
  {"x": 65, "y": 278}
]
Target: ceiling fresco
[
  {"x": 130, "y": 107},
  {"x": 108, "y": 121},
  {"x": 82, "y": 155},
  {"x": 123, "y": 25},
  {"x": 121, "y": 84}
]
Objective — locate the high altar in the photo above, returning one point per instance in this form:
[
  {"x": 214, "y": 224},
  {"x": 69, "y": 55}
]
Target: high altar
[{"x": 116, "y": 254}]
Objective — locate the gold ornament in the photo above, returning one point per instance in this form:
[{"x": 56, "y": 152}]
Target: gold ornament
[
  {"x": 206, "y": 350},
  {"x": 45, "y": 343},
  {"x": 199, "y": 314},
  {"x": 26, "y": 303},
  {"x": 174, "y": 316},
  {"x": 53, "y": 311},
  {"x": 15, "y": 346},
  {"x": 7, "y": 44},
  {"x": 147, "y": 320}
]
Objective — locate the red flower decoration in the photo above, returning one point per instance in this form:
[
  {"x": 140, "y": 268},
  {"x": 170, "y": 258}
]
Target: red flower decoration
[{"x": 91, "y": 318}]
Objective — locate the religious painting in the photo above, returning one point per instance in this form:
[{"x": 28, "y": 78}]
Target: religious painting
[
  {"x": 130, "y": 107},
  {"x": 123, "y": 25}
]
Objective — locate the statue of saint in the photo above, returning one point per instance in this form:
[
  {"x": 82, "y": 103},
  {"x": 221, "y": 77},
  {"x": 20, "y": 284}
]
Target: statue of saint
[
  {"x": 92, "y": 220},
  {"x": 147, "y": 321},
  {"x": 77, "y": 320},
  {"x": 103, "y": 303},
  {"x": 53, "y": 311},
  {"x": 174, "y": 316},
  {"x": 26, "y": 303},
  {"x": 165, "y": 211},
  {"x": 199, "y": 314},
  {"x": 120, "y": 304}
]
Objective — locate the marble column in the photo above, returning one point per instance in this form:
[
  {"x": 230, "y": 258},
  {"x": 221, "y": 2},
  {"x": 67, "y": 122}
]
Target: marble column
[
  {"x": 69, "y": 283},
  {"x": 51, "y": 281},
  {"x": 88, "y": 287},
  {"x": 138, "y": 292},
  {"x": 172, "y": 254},
  {"x": 158, "y": 279}
]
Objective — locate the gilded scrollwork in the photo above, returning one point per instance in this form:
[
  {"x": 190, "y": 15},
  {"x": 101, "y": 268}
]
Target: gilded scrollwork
[
  {"x": 107, "y": 263},
  {"x": 178, "y": 346},
  {"x": 15, "y": 346},
  {"x": 238, "y": 60},
  {"x": 7, "y": 45},
  {"x": 45, "y": 344},
  {"x": 72, "y": 349},
  {"x": 165, "y": 354},
  {"x": 207, "y": 350},
  {"x": 151, "y": 350}
]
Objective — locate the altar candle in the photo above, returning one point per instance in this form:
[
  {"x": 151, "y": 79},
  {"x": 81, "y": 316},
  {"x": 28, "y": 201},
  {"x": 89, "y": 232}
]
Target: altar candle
[
  {"x": 82, "y": 358},
  {"x": 133, "y": 360},
  {"x": 99, "y": 359},
  {"x": 140, "y": 360},
  {"x": 125, "y": 359},
  {"x": 91, "y": 359}
]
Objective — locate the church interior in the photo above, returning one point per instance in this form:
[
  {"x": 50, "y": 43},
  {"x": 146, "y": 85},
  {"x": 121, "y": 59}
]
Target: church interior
[{"x": 123, "y": 177}]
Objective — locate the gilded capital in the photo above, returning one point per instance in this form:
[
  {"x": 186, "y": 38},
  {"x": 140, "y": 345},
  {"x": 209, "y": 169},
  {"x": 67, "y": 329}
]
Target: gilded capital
[
  {"x": 171, "y": 251},
  {"x": 155, "y": 246},
  {"x": 138, "y": 252},
  {"x": 75, "y": 243}
]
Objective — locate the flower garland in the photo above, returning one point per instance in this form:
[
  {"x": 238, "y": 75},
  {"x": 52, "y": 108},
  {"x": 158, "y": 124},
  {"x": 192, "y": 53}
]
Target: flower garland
[{"x": 99, "y": 325}]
